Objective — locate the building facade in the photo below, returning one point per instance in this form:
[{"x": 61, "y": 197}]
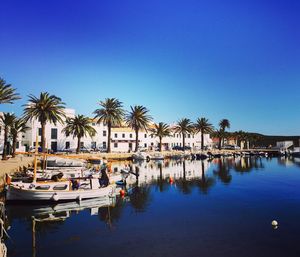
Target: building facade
[{"x": 122, "y": 138}]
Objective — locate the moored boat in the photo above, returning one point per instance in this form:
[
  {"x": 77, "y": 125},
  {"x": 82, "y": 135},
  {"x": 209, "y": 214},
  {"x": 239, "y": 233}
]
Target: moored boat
[{"x": 54, "y": 191}]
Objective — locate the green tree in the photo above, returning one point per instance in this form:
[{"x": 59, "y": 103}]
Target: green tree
[
  {"x": 18, "y": 126},
  {"x": 203, "y": 126},
  {"x": 79, "y": 126},
  {"x": 161, "y": 130},
  {"x": 223, "y": 124},
  {"x": 7, "y": 121},
  {"x": 111, "y": 113},
  {"x": 138, "y": 118},
  {"x": 243, "y": 137},
  {"x": 184, "y": 126},
  {"x": 45, "y": 108},
  {"x": 7, "y": 93}
]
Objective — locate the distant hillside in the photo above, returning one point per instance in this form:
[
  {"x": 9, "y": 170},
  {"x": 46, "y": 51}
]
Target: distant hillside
[{"x": 265, "y": 140}]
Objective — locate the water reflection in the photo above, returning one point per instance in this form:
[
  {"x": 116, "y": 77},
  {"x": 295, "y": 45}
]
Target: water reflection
[
  {"x": 223, "y": 170},
  {"x": 168, "y": 180},
  {"x": 205, "y": 183}
]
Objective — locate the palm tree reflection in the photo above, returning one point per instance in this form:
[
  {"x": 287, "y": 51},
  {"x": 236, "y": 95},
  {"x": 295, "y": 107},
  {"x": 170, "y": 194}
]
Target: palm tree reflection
[
  {"x": 161, "y": 182},
  {"x": 205, "y": 183},
  {"x": 184, "y": 185},
  {"x": 223, "y": 171},
  {"x": 247, "y": 164}
]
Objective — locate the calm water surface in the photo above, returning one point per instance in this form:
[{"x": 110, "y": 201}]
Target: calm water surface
[{"x": 219, "y": 208}]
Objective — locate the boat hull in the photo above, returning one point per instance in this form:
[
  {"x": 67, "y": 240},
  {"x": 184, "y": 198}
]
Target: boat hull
[{"x": 15, "y": 193}]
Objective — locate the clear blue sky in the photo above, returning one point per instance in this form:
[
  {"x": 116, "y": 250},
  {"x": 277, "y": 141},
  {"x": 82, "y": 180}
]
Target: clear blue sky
[{"x": 238, "y": 60}]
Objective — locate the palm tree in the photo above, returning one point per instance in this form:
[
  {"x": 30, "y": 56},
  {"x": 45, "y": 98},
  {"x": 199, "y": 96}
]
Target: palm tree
[
  {"x": 79, "y": 126},
  {"x": 137, "y": 119},
  {"x": 218, "y": 134},
  {"x": 223, "y": 124},
  {"x": 111, "y": 113},
  {"x": 7, "y": 120},
  {"x": 204, "y": 127},
  {"x": 183, "y": 127},
  {"x": 161, "y": 130},
  {"x": 242, "y": 136},
  {"x": 7, "y": 93},
  {"x": 46, "y": 108},
  {"x": 19, "y": 126}
]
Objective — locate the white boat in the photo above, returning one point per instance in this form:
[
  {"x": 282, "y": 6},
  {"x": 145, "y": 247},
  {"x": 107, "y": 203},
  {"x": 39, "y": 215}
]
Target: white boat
[
  {"x": 157, "y": 156},
  {"x": 141, "y": 156},
  {"x": 54, "y": 191},
  {"x": 74, "y": 173},
  {"x": 63, "y": 162}
]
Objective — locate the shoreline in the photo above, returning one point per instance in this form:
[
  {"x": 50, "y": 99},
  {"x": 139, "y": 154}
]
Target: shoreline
[{"x": 22, "y": 161}]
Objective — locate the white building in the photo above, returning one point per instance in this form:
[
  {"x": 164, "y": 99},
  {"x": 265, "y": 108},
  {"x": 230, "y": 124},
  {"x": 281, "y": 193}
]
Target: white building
[{"x": 122, "y": 138}]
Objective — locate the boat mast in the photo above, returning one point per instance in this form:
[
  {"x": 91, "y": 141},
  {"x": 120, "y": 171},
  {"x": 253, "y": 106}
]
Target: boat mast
[{"x": 35, "y": 158}]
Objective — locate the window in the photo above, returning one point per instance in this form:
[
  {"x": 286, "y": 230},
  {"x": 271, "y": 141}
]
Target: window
[
  {"x": 145, "y": 135},
  {"x": 130, "y": 135},
  {"x": 130, "y": 145},
  {"x": 104, "y": 144},
  {"x": 115, "y": 145},
  {"x": 116, "y": 135},
  {"x": 152, "y": 144},
  {"x": 93, "y": 124},
  {"x": 67, "y": 145},
  {"x": 18, "y": 144},
  {"x": 189, "y": 135},
  {"x": 104, "y": 133},
  {"x": 123, "y": 135},
  {"x": 81, "y": 144},
  {"x": 145, "y": 145},
  {"x": 93, "y": 145},
  {"x": 54, "y": 146},
  {"x": 176, "y": 135},
  {"x": 54, "y": 133},
  {"x": 40, "y": 131}
]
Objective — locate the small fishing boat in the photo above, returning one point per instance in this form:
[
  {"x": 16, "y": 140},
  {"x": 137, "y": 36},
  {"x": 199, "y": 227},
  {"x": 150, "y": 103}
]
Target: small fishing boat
[
  {"x": 201, "y": 156},
  {"x": 140, "y": 156},
  {"x": 57, "y": 190},
  {"x": 53, "y": 191},
  {"x": 157, "y": 156},
  {"x": 63, "y": 162},
  {"x": 73, "y": 174}
]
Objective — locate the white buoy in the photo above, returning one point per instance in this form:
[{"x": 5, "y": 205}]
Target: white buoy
[{"x": 274, "y": 223}]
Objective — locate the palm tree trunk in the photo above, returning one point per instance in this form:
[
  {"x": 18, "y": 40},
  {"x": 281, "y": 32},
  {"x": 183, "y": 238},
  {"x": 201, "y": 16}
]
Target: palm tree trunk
[
  {"x": 136, "y": 139},
  {"x": 14, "y": 146},
  {"x": 202, "y": 169},
  {"x": 160, "y": 146},
  {"x": 183, "y": 141},
  {"x": 202, "y": 140},
  {"x": 108, "y": 136},
  {"x": 220, "y": 142},
  {"x": 43, "y": 139},
  {"x": 78, "y": 145},
  {"x": 5, "y": 143}
]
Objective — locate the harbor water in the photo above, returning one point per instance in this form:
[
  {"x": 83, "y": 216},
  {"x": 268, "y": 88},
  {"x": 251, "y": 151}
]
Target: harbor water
[{"x": 175, "y": 208}]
